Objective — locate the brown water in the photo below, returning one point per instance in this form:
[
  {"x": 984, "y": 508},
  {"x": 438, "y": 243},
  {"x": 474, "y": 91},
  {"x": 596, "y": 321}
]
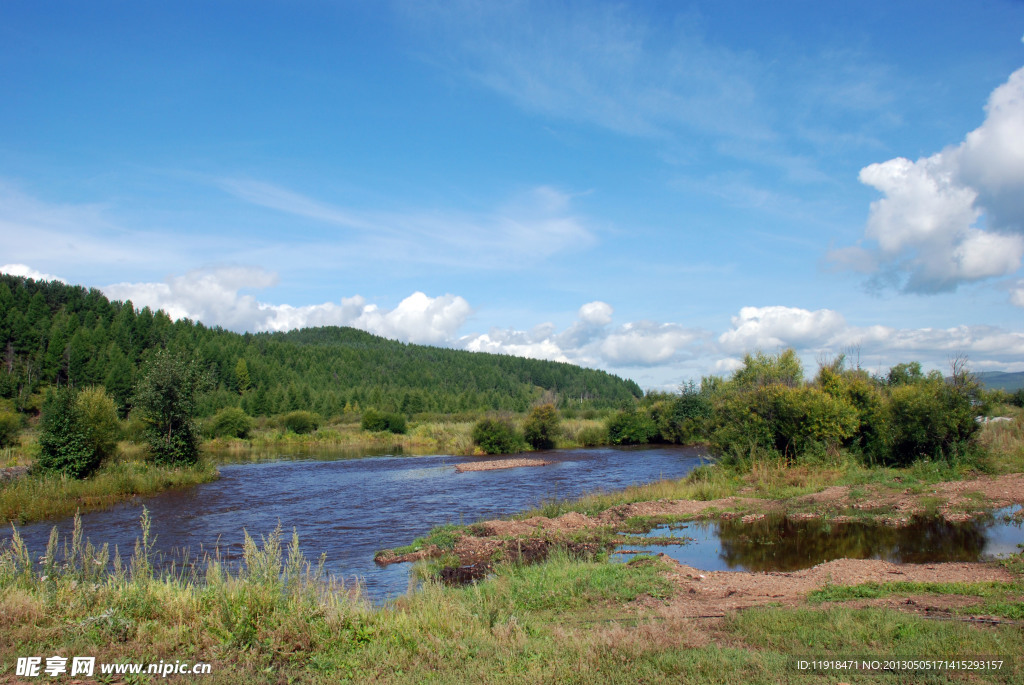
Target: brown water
[{"x": 349, "y": 508}]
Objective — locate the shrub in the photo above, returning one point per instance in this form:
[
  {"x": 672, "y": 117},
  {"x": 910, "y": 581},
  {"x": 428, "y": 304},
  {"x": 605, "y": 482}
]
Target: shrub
[
  {"x": 592, "y": 436},
  {"x": 497, "y": 436},
  {"x": 230, "y": 422},
  {"x": 64, "y": 444},
  {"x": 784, "y": 420},
  {"x": 1017, "y": 399},
  {"x": 10, "y": 424},
  {"x": 542, "y": 427},
  {"x": 931, "y": 420},
  {"x": 631, "y": 428},
  {"x": 300, "y": 421},
  {"x": 376, "y": 421},
  {"x": 99, "y": 414}
]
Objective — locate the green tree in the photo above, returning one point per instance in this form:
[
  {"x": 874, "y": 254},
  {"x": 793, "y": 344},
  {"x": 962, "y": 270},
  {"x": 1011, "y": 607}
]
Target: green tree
[
  {"x": 242, "y": 375},
  {"x": 542, "y": 427},
  {"x": 166, "y": 398},
  {"x": 64, "y": 445}
]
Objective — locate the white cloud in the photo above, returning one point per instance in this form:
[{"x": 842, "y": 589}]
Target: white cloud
[
  {"x": 592, "y": 341},
  {"x": 596, "y": 313},
  {"x": 213, "y": 296},
  {"x": 826, "y": 332},
  {"x": 646, "y": 343},
  {"x": 954, "y": 217},
  {"x": 765, "y": 328},
  {"x": 27, "y": 272},
  {"x": 1017, "y": 293}
]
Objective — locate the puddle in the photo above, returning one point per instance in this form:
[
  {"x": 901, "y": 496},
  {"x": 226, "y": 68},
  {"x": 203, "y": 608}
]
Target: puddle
[{"x": 782, "y": 544}]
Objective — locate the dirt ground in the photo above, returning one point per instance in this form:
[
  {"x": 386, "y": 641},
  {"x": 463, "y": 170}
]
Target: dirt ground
[{"x": 715, "y": 593}]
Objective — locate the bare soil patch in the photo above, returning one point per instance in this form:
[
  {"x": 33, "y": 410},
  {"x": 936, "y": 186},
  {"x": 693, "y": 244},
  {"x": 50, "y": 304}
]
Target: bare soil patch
[{"x": 703, "y": 593}]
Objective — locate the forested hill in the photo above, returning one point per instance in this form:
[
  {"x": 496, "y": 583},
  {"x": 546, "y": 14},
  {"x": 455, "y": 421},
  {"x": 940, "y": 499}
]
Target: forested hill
[{"x": 53, "y": 333}]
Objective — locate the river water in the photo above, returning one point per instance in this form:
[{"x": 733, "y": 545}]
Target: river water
[{"x": 350, "y": 508}]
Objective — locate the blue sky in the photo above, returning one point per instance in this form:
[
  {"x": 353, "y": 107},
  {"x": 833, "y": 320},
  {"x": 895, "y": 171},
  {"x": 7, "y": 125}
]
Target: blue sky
[{"x": 652, "y": 188}]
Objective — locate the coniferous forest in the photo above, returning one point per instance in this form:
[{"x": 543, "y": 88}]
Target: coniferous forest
[{"x": 52, "y": 334}]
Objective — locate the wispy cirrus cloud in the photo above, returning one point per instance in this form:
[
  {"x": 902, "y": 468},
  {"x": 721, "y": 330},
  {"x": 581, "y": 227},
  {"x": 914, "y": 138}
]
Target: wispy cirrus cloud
[
  {"x": 597, "y": 63},
  {"x": 531, "y": 226}
]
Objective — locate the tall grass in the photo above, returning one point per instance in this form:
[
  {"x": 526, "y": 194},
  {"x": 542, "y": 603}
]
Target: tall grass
[{"x": 41, "y": 496}]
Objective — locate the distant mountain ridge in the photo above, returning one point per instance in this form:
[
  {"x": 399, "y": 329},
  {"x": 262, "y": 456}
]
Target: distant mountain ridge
[
  {"x": 1001, "y": 380},
  {"x": 52, "y": 333}
]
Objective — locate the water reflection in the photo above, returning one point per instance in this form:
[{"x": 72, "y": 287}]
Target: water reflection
[{"x": 778, "y": 543}]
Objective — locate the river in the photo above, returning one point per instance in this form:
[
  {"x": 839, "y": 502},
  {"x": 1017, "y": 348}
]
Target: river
[{"x": 348, "y": 508}]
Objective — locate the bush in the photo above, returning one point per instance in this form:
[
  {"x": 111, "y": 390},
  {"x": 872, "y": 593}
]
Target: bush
[
  {"x": 230, "y": 422},
  {"x": 631, "y": 428},
  {"x": 784, "y": 420},
  {"x": 931, "y": 420},
  {"x": 1017, "y": 399},
  {"x": 376, "y": 421},
  {"x": 10, "y": 424},
  {"x": 64, "y": 445},
  {"x": 592, "y": 436},
  {"x": 542, "y": 427},
  {"x": 497, "y": 436},
  {"x": 99, "y": 414},
  {"x": 300, "y": 421}
]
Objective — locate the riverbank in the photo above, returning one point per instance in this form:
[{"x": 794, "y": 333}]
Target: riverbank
[
  {"x": 34, "y": 497},
  {"x": 572, "y": 618}
]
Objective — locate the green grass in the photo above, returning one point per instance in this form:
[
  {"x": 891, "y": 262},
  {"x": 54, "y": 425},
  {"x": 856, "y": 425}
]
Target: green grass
[
  {"x": 563, "y": 584},
  {"x": 840, "y": 632},
  {"x": 443, "y": 537},
  {"x": 42, "y": 496},
  {"x": 844, "y": 593}
]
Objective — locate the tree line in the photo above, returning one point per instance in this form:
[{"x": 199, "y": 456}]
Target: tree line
[{"x": 52, "y": 334}]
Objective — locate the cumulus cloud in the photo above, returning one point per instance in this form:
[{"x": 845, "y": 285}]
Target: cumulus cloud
[
  {"x": 954, "y": 217},
  {"x": 592, "y": 341},
  {"x": 771, "y": 327},
  {"x": 27, "y": 272},
  {"x": 214, "y": 297},
  {"x": 824, "y": 331}
]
